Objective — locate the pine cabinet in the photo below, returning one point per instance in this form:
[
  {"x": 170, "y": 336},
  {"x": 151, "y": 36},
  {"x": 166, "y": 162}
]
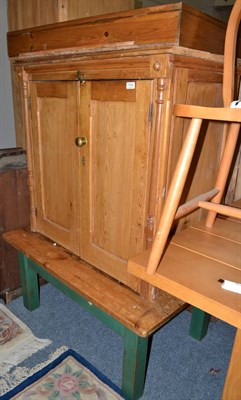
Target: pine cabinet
[
  {"x": 101, "y": 138},
  {"x": 91, "y": 144}
]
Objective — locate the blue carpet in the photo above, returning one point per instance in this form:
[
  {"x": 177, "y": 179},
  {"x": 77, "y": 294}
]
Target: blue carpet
[{"x": 179, "y": 366}]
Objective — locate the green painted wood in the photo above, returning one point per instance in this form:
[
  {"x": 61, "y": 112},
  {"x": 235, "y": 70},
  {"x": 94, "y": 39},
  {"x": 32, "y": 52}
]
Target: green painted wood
[
  {"x": 199, "y": 323},
  {"x": 87, "y": 305},
  {"x": 30, "y": 285},
  {"x": 134, "y": 365},
  {"x": 135, "y": 347}
]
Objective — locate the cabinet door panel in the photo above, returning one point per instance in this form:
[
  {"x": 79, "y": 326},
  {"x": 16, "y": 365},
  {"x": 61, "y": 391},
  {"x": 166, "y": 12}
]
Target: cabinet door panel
[
  {"x": 55, "y": 159},
  {"x": 115, "y": 186}
]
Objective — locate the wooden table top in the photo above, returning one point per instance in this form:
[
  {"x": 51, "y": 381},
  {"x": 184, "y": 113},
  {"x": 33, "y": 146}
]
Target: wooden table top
[{"x": 195, "y": 260}]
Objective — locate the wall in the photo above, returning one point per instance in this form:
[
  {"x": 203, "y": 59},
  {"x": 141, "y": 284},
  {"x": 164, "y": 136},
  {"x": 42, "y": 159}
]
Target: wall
[
  {"x": 27, "y": 13},
  {"x": 7, "y": 129}
]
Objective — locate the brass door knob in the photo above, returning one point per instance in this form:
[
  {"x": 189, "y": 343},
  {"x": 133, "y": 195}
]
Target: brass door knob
[{"x": 81, "y": 141}]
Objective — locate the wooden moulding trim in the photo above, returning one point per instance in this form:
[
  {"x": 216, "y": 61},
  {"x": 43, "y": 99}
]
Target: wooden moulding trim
[
  {"x": 29, "y": 147},
  {"x": 160, "y": 25},
  {"x": 150, "y": 228},
  {"x": 180, "y": 55},
  {"x": 120, "y": 68}
]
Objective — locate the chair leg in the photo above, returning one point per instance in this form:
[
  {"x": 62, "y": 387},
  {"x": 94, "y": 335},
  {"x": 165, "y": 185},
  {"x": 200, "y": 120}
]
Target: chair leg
[
  {"x": 199, "y": 323},
  {"x": 30, "y": 286},
  {"x": 224, "y": 169},
  {"x": 174, "y": 194}
]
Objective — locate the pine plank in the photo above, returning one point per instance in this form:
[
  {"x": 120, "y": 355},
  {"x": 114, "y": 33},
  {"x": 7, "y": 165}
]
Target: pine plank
[
  {"x": 120, "y": 302},
  {"x": 223, "y": 227},
  {"x": 211, "y": 245}
]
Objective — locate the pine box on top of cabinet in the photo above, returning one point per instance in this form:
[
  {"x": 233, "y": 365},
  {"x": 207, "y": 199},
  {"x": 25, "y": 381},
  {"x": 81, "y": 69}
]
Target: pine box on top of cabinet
[{"x": 102, "y": 143}]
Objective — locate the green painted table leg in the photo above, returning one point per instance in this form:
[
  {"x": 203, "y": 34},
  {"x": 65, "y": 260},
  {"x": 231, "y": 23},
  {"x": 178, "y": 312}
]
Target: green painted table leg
[
  {"x": 134, "y": 365},
  {"x": 136, "y": 348},
  {"x": 199, "y": 323},
  {"x": 29, "y": 279}
]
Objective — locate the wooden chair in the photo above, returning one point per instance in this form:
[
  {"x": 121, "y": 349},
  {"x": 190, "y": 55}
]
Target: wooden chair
[{"x": 194, "y": 262}]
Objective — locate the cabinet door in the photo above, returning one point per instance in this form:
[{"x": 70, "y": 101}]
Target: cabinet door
[
  {"x": 115, "y": 173},
  {"x": 54, "y": 127}
]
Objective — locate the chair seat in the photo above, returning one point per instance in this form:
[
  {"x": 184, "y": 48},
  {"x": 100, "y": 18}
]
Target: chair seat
[
  {"x": 211, "y": 113},
  {"x": 194, "y": 262}
]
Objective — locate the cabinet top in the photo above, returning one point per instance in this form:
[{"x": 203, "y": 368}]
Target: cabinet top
[{"x": 154, "y": 27}]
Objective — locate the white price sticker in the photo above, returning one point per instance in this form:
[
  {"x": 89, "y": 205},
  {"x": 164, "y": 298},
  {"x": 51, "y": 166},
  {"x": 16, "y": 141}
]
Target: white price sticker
[{"x": 130, "y": 85}]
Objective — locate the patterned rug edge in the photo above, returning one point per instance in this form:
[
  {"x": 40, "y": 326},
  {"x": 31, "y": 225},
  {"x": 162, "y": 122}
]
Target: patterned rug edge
[
  {"x": 42, "y": 369},
  {"x": 17, "y": 341},
  {"x": 18, "y": 375}
]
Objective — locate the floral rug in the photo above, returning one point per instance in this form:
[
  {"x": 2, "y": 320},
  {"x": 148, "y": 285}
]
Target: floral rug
[
  {"x": 17, "y": 343},
  {"x": 69, "y": 377}
]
